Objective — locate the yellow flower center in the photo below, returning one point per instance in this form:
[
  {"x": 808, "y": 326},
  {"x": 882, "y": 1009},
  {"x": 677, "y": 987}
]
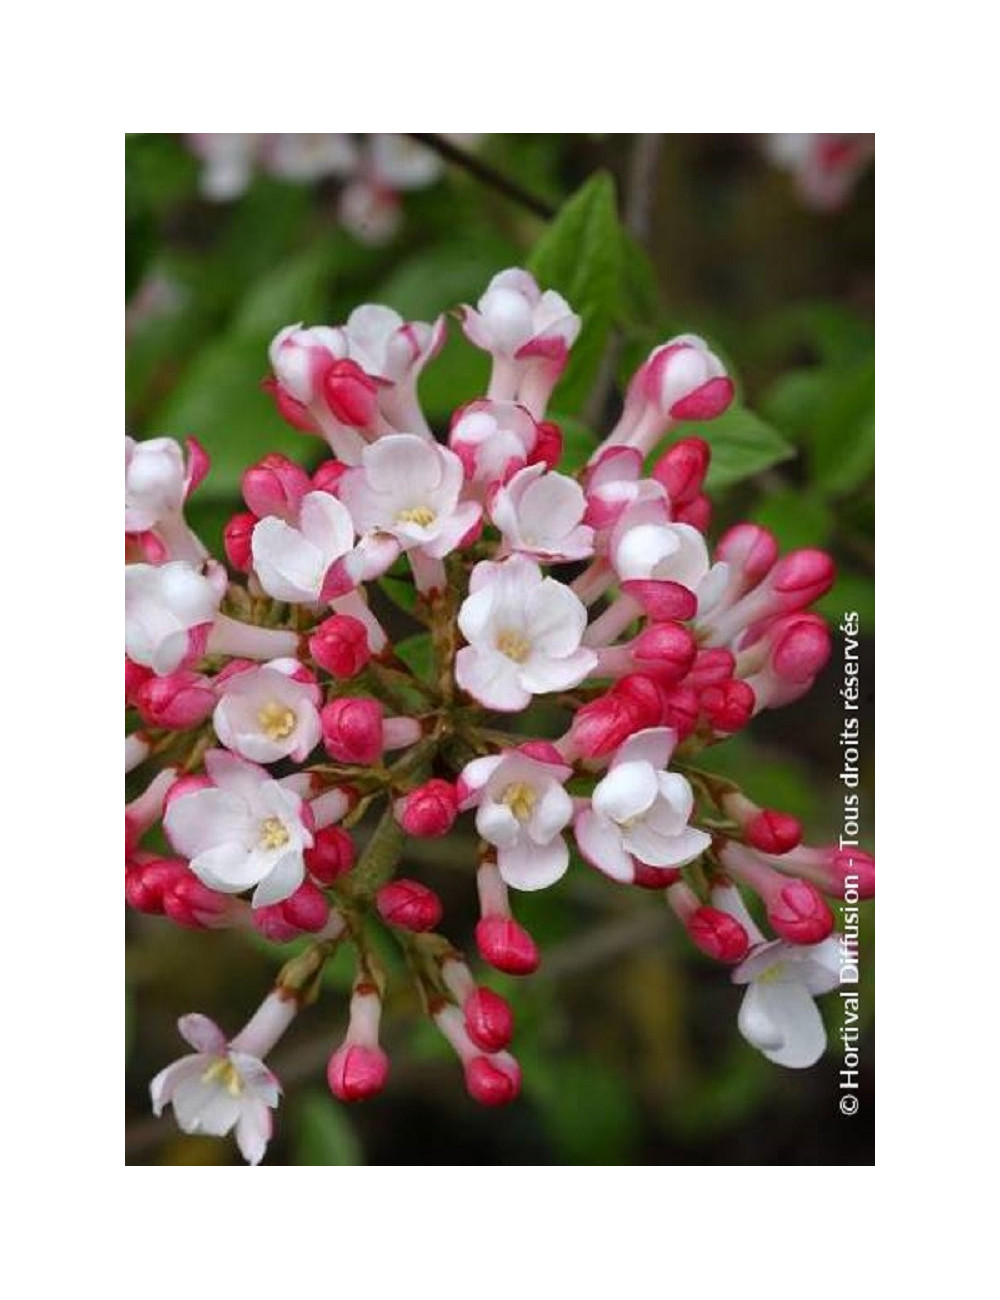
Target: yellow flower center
[
  {"x": 520, "y": 798},
  {"x": 514, "y": 645},
  {"x": 276, "y": 720},
  {"x": 225, "y": 1073},
  {"x": 772, "y": 974},
  {"x": 273, "y": 833},
  {"x": 422, "y": 516}
]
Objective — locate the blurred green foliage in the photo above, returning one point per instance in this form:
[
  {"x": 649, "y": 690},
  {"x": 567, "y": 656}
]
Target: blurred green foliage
[{"x": 630, "y": 1049}]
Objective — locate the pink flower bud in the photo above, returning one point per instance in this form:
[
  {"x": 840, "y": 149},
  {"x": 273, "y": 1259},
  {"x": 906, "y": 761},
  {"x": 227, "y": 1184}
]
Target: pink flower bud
[
  {"x": 237, "y": 540},
  {"x": 135, "y": 677},
  {"x": 717, "y": 934},
  {"x": 801, "y": 649},
  {"x": 352, "y": 729},
  {"x": 290, "y": 408},
  {"x": 331, "y": 856},
  {"x": 548, "y": 445},
  {"x": 340, "y": 645},
  {"x": 685, "y": 380},
  {"x": 602, "y": 725},
  {"x": 429, "y": 810},
  {"x": 644, "y": 696},
  {"x": 662, "y": 600},
  {"x": 773, "y": 832},
  {"x": 356, "y": 1073},
  {"x": 489, "y": 1021},
  {"x": 328, "y": 475},
  {"x": 711, "y": 668},
  {"x": 666, "y": 649},
  {"x": 146, "y": 883},
  {"x": 798, "y": 913},
  {"x": 728, "y": 706},
  {"x": 191, "y": 904},
  {"x": 506, "y": 945},
  {"x": 543, "y": 750},
  {"x": 682, "y": 470},
  {"x": 697, "y": 513},
  {"x": 351, "y": 395},
  {"x": 806, "y": 574},
  {"x": 492, "y": 1081},
  {"x": 681, "y": 710},
  {"x": 177, "y": 701},
  {"x": 409, "y": 905},
  {"x": 271, "y": 922},
  {"x": 855, "y": 863},
  {"x": 750, "y": 549},
  {"x": 307, "y": 909},
  {"x": 275, "y": 486}
]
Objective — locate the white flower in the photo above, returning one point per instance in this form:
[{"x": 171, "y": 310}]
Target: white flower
[
  {"x": 639, "y": 812},
  {"x": 778, "y": 1015},
  {"x": 645, "y": 546},
  {"x": 155, "y": 482},
  {"x": 387, "y": 347},
  {"x": 266, "y": 713},
  {"x": 399, "y": 163},
  {"x": 246, "y": 830},
  {"x": 409, "y": 488},
  {"x": 169, "y": 609},
  {"x": 522, "y": 811},
  {"x": 514, "y": 319},
  {"x": 305, "y": 157},
  {"x": 492, "y": 438},
  {"x": 524, "y": 635},
  {"x": 541, "y": 513},
  {"x": 218, "y": 1088},
  {"x": 292, "y": 563}
]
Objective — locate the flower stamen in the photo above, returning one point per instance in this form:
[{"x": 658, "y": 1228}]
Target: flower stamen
[{"x": 277, "y": 721}]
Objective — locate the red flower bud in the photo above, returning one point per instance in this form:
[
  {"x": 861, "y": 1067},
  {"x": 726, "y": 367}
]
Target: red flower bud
[
  {"x": 681, "y": 710},
  {"x": 750, "y": 549},
  {"x": 490, "y": 1083},
  {"x": 351, "y": 395},
  {"x": 647, "y": 877},
  {"x": 506, "y": 945},
  {"x": 644, "y": 696},
  {"x": 718, "y": 934},
  {"x": 237, "y": 538},
  {"x": 289, "y": 408},
  {"x": 328, "y": 475},
  {"x": 176, "y": 701},
  {"x": 682, "y": 470},
  {"x": 697, "y": 513},
  {"x": 306, "y": 909},
  {"x": 356, "y": 1073},
  {"x": 331, "y": 856},
  {"x": 548, "y": 445},
  {"x": 146, "y": 883},
  {"x": 340, "y": 645},
  {"x": 666, "y": 649},
  {"x": 798, "y": 913},
  {"x": 807, "y": 574},
  {"x": 489, "y": 1021},
  {"x": 429, "y": 810},
  {"x": 352, "y": 729},
  {"x": 773, "y": 832},
  {"x": 409, "y": 905},
  {"x": 855, "y": 863},
  {"x": 275, "y": 486},
  {"x": 728, "y": 706}
]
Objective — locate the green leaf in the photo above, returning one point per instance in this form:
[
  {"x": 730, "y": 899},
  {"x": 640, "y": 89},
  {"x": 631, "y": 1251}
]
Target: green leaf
[
  {"x": 851, "y": 591},
  {"x": 323, "y": 1135},
  {"x": 580, "y": 256},
  {"x": 742, "y": 445},
  {"x": 400, "y": 592},
  {"x": 417, "y": 652},
  {"x": 843, "y": 437},
  {"x": 797, "y": 518},
  {"x": 589, "y": 1113},
  {"x": 294, "y": 290},
  {"x": 434, "y": 279}
]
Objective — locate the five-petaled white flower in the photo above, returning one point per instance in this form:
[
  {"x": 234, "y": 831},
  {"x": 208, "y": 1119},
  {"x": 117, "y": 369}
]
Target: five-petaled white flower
[
  {"x": 218, "y": 1088},
  {"x": 524, "y": 635},
  {"x": 639, "y": 812},
  {"x": 541, "y": 514},
  {"x": 169, "y": 611},
  {"x": 522, "y": 809},
  {"x": 245, "y": 830},
  {"x": 409, "y": 488},
  {"x": 293, "y": 564},
  {"x": 269, "y": 713},
  {"x": 779, "y": 1015}
]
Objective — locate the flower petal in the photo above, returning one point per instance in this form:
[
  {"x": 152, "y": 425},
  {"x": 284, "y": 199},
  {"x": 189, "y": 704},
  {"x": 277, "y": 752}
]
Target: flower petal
[
  {"x": 600, "y": 842},
  {"x": 531, "y": 866}
]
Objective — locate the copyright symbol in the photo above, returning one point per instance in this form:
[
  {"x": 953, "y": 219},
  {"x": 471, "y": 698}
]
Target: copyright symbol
[{"x": 848, "y": 1104}]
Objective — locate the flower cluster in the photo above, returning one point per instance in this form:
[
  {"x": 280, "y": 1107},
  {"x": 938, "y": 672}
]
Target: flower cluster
[
  {"x": 374, "y": 171},
  {"x": 288, "y": 753},
  {"x": 824, "y": 168}
]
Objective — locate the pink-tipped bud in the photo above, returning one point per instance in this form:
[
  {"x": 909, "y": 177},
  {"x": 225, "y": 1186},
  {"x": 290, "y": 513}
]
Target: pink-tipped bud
[
  {"x": 275, "y": 486},
  {"x": 602, "y": 725},
  {"x": 307, "y": 909},
  {"x": 237, "y": 539},
  {"x": 548, "y": 445},
  {"x": 290, "y": 408},
  {"x": 662, "y": 599},
  {"x": 146, "y": 883},
  {"x": 682, "y": 470},
  {"x": 773, "y": 832},
  {"x": 340, "y": 645},
  {"x": 711, "y": 668},
  {"x": 506, "y": 945},
  {"x": 696, "y": 513},
  {"x": 352, "y": 729},
  {"x": 351, "y": 395},
  {"x": 851, "y": 869},
  {"x": 489, "y": 1021},
  {"x": 685, "y": 380},
  {"x": 328, "y": 475},
  {"x": 644, "y": 696},
  {"x": 801, "y": 649},
  {"x": 543, "y": 750},
  {"x": 492, "y": 1081},
  {"x": 136, "y": 677},
  {"x": 728, "y": 706},
  {"x": 798, "y": 913},
  {"x": 750, "y": 549},
  {"x": 680, "y": 710},
  {"x": 718, "y": 935},
  {"x": 429, "y": 810},
  {"x": 177, "y": 701},
  {"x": 666, "y": 649},
  {"x": 356, "y": 1073},
  {"x": 647, "y": 877},
  {"x": 191, "y": 904},
  {"x": 331, "y": 856},
  {"x": 805, "y": 574},
  {"x": 409, "y": 905}
]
